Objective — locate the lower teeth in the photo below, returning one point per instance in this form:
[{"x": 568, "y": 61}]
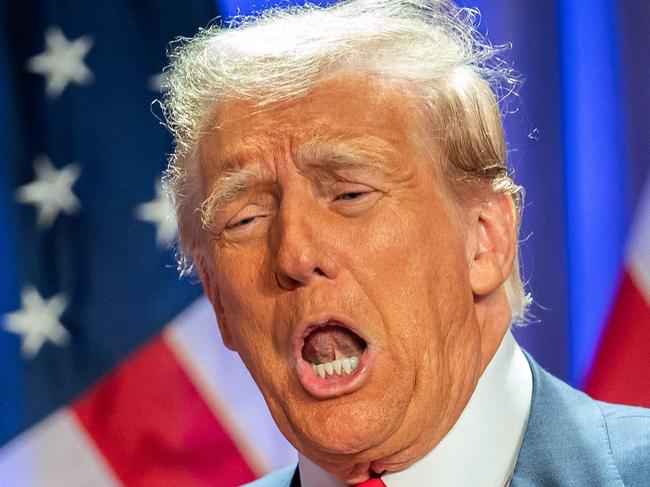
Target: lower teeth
[{"x": 339, "y": 367}]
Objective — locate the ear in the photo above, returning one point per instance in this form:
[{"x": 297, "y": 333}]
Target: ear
[
  {"x": 495, "y": 240},
  {"x": 211, "y": 290}
]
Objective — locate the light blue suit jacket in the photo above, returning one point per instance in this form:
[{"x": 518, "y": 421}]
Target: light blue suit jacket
[{"x": 570, "y": 440}]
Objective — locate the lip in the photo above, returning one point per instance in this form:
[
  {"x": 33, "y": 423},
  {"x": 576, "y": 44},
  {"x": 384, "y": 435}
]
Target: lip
[{"x": 335, "y": 385}]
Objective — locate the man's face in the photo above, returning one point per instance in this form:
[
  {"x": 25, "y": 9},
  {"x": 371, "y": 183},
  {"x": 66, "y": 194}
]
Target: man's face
[{"x": 343, "y": 242}]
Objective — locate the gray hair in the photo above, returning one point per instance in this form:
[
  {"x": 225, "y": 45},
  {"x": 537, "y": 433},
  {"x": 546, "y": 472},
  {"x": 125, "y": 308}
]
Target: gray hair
[{"x": 431, "y": 46}]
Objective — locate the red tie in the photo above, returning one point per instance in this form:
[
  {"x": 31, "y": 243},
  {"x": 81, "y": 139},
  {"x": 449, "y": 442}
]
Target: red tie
[{"x": 372, "y": 482}]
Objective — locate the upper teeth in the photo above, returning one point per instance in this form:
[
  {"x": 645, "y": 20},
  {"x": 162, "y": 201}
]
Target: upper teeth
[{"x": 346, "y": 365}]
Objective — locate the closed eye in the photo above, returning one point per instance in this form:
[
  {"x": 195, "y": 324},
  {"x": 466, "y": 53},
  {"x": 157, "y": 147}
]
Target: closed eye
[
  {"x": 356, "y": 201},
  {"x": 248, "y": 217},
  {"x": 352, "y": 195},
  {"x": 242, "y": 222}
]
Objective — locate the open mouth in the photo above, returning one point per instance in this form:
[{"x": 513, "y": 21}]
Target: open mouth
[
  {"x": 332, "y": 358},
  {"x": 333, "y": 350}
]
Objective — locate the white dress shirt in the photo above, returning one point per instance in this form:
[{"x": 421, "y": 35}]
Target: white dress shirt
[{"x": 481, "y": 449}]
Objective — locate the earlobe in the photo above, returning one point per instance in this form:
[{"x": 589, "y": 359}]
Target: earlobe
[
  {"x": 495, "y": 239},
  {"x": 212, "y": 292}
]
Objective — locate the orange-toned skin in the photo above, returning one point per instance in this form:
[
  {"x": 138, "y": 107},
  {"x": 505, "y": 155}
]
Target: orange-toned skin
[{"x": 392, "y": 251}]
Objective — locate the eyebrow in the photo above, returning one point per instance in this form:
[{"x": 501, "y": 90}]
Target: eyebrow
[
  {"x": 228, "y": 187},
  {"x": 367, "y": 153}
]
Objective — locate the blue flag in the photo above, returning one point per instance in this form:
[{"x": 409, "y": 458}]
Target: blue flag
[{"x": 87, "y": 273}]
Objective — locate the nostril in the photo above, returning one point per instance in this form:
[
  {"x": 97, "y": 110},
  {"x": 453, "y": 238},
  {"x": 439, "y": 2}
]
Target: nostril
[{"x": 287, "y": 282}]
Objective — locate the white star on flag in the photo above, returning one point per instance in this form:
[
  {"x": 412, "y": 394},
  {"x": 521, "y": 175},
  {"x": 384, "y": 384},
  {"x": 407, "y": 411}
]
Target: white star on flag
[
  {"x": 51, "y": 191},
  {"x": 62, "y": 61},
  {"x": 159, "y": 212},
  {"x": 38, "y": 321}
]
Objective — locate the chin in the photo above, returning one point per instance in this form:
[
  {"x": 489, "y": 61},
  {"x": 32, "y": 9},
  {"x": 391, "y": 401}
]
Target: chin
[
  {"x": 344, "y": 433},
  {"x": 355, "y": 469},
  {"x": 342, "y": 437}
]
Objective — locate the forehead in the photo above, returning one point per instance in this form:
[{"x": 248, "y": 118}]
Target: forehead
[{"x": 350, "y": 110}]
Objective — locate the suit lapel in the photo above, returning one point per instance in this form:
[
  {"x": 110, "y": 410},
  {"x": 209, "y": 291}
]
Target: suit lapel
[{"x": 566, "y": 440}]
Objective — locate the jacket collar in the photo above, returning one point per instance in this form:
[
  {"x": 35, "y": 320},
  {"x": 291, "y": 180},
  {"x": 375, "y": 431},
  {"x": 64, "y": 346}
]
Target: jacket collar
[{"x": 566, "y": 440}]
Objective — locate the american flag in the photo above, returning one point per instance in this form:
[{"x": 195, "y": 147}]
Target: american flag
[
  {"x": 112, "y": 370},
  {"x": 620, "y": 372}
]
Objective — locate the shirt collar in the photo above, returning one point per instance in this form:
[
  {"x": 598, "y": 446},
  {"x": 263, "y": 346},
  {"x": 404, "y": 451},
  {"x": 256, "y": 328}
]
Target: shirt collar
[{"x": 482, "y": 447}]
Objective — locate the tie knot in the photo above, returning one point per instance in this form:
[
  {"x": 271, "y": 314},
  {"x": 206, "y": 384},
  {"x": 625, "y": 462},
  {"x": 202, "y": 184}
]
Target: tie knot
[{"x": 372, "y": 482}]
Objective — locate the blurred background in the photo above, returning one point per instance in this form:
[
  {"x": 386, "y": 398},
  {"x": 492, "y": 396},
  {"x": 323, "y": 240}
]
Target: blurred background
[{"x": 111, "y": 368}]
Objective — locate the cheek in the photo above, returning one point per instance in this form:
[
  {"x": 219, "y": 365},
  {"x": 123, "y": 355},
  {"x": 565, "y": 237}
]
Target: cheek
[
  {"x": 412, "y": 266},
  {"x": 244, "y": 305},
  {"x": 250, "y": 316}
]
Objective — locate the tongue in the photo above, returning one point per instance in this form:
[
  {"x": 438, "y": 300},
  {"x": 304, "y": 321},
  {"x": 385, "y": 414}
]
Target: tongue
[{"x": 331, "y": 342}]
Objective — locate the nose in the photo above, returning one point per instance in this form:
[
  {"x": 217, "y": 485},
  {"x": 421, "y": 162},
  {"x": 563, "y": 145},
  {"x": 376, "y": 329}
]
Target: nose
[{"x": 304, "y": 245}]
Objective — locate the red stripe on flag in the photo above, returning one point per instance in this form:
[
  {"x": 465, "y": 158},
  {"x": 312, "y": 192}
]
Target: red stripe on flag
[
  {"x": 154, "y": 428},
  {"x": 621, "y": 373}
]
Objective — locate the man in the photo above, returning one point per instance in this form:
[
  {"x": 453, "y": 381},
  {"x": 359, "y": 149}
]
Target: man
[{"x": 342, "y": 190}]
